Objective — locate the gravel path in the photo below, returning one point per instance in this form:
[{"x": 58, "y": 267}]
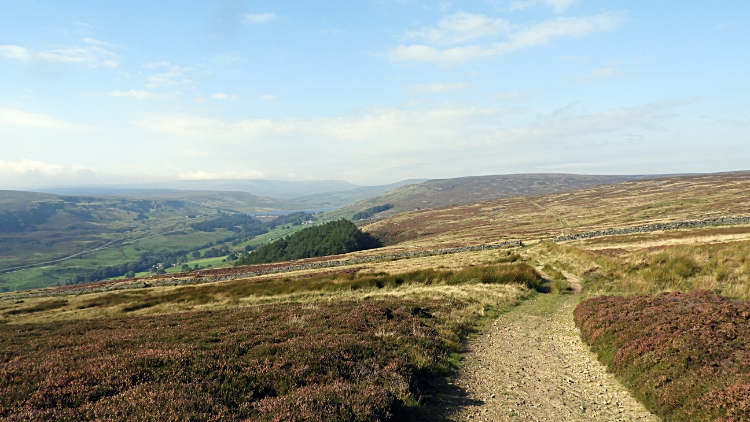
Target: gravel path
[{"x": 532, "y": 366}]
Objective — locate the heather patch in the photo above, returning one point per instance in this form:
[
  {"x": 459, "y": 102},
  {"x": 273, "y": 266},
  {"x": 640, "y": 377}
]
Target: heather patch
[
  {"x": 685, "y": 356},
  {"x": 370, "y": 354}
]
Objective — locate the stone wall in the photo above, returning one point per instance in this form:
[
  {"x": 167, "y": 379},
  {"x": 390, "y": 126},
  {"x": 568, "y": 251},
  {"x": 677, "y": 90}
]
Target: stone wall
[
  {"x": 315, "y": 265},
  {"x": 720, "y": 221}
]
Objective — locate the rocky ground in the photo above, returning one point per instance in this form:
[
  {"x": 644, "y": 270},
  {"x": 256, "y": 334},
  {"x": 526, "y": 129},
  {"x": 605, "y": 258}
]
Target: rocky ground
[{"x": 532, "y": 366}]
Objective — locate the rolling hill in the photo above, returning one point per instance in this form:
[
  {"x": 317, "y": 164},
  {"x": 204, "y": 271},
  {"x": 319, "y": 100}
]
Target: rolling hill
[
  {"x": 464, "y": 190},
  {"x": 64, "y": 233}
]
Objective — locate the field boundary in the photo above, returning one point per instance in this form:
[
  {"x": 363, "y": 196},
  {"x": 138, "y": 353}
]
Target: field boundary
[
  {"x": 290, "y": 268},
  {"x": 690, "y": 224}
]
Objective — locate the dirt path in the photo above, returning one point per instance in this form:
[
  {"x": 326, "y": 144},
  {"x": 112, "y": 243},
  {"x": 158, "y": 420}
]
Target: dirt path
[{"x": 532, "y": 366}]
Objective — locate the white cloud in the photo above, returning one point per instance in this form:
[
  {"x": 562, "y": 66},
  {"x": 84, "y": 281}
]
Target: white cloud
[
  {"x": 559, "y": 6},
  {"x": 534, "y": 35},
  {"x": 175, "y": 75},
  {"x": 258, "y": 18},
  {"x": 91, "y": 55},
  {"x": 461, "y": 27},
  {"x": 221, "y": 96},
  {"x": 205, "y": 175},
  {"x": 138, "y": 95},
  {"x": 391, "y": 125},
  {"x": 10, "y": 117},
  {"x": 14, "y": 52},
  {"x": 24, "y": 174},
  {"x": 436, "y": 88},
  {"x": 268, "y": 97},
  {"x": 29, "y": 166},
  {"x": 596, "y": 74}
]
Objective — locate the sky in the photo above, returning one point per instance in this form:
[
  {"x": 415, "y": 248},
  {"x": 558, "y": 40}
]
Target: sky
[{"x": 371, "y": 92}]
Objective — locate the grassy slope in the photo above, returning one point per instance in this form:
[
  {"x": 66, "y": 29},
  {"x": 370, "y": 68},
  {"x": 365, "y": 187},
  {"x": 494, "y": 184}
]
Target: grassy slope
[{"x": 86, "y": 223}]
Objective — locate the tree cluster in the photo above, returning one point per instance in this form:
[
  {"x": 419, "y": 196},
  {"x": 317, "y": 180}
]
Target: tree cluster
[{"x": 336, "y": 237}]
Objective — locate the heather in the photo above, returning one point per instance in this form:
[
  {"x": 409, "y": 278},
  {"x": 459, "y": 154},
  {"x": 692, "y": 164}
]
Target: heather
[
  {"x": 371, "y": 357},
  {"x": 686, "y": 356}
]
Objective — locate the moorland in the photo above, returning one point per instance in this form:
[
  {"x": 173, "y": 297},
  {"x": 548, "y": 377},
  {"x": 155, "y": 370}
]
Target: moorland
[{"x": 390, "y": 338}]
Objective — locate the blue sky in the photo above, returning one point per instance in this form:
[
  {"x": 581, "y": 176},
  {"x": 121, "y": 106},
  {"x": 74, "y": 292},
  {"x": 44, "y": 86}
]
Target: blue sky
[{"x": 370, "y": 92}]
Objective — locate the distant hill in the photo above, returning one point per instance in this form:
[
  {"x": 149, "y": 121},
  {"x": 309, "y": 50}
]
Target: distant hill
[
  {"x": 278, "y": 189},
  {"x": 631, "y": 203},
  {"x": 464, "y": 190},
  {"x": 53, "y": 231},
  {"x": 343, "y": 198},
  {"x": 300, "y": 194}
]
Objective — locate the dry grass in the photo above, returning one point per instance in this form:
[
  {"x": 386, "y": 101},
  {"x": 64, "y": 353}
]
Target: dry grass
[
  {"x": 299, "y": 287},
  {"x": 721, "y": 267}
]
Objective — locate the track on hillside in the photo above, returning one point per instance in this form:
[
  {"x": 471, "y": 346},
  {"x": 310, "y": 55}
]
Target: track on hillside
[{"x": 531, "y": 365}]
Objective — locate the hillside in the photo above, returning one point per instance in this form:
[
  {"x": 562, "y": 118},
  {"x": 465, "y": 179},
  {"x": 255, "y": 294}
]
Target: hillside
[
  {"x": 534, "y": 217},
  {"x": 67, "y": 233},
  {"x": 347, "y": 197},
  {"x": 394, "y": 334},
  {"x": 464, "y": 190}
]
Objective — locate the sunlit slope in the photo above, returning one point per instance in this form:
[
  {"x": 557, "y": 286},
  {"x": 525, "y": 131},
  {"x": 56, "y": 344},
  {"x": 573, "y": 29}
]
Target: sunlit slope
[
  {"x": 534, "y": 217},
  {"x": 464, "y": 190}
]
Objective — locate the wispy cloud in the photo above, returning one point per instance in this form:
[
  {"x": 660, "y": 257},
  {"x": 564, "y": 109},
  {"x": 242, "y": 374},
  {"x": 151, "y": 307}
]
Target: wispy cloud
[
  {"x": 596, "y": 74},
  {"x": 92, "y": 55},
  {"x": 268, "y": 97},
  {"x": 221, "y": 96},
  {"x": 558, "y": 6},
  {"x": 10, "y": 117},
  {"x": 534, "y": 35},
  {"x": 173, "y": 75},
  {"x": 138, "y": 95},
  {"x": 258, "y": 18},
  {"x": 461, "y": 27},
  {"x": 23, "y": 174},
  {"x": 436, "y": 88}
]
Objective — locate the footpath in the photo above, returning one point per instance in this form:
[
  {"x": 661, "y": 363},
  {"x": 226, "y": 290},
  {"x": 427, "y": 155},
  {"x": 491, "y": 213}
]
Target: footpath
[{"x": 531, "y": 365}]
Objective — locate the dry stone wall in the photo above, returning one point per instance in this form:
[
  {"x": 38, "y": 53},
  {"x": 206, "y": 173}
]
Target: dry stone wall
[
  {"x": 315, "y": 265},
  {"x": 720, "y": 221}
]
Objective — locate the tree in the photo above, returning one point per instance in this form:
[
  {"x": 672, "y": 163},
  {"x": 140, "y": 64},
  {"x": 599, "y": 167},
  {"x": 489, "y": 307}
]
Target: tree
[
  {"x": 196, "y": 254},
  {"x": 333, "y": 238}
]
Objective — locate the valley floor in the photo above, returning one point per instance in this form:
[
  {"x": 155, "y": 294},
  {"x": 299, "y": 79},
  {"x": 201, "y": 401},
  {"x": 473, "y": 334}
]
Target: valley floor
[{"x": 531, "y": 365}]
